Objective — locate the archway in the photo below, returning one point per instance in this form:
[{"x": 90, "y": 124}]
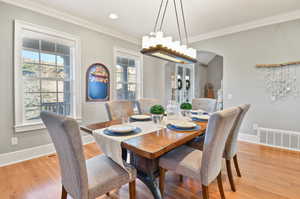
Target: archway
[{"x": 209, "y": 76}]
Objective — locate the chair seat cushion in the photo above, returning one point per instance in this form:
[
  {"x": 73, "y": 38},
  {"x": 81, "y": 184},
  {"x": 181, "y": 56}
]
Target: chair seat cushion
[
  {"x": 105, "y": 175},
  {"x": 183, "y": 160}
]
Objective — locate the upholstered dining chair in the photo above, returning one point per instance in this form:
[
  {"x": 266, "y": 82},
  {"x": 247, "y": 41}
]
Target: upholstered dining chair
[
  {"x": 119, "y": 108},
  {"x": 83, "y": 179},
  {"x": 202, "y": 166},
  {"x": 145, "y": 104},
  {"x": 206, "y": 104},
  {"x": 230, "y": 152}
]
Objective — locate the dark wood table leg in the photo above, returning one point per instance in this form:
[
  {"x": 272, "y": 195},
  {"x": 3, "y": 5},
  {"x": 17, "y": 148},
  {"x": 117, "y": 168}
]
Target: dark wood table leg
[{"x": 147, "y": 171}]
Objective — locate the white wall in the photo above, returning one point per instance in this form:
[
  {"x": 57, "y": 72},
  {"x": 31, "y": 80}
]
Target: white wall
[
  {"x": 201, "y": 75},
  {"x": 241, "y": 52},
  {"x": 215, "y": 73},
  {"x": 154, "y": 75},
  {"x": 96, "y": 47}
]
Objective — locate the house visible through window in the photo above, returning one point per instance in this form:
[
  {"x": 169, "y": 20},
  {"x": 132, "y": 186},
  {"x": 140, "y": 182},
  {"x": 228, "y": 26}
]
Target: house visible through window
[
  {"x": 46, "y": 72},
  {"x": 126, "y": 78},
  {"x": 46, "y": 78},
  {"x": 127, "y": 82}
]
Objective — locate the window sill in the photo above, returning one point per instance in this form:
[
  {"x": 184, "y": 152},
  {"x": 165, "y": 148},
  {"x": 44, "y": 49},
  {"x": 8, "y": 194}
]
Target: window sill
[{"x": 33, "y": 126}]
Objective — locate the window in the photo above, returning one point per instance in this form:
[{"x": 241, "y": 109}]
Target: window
[
  {"x": 45, "y": 75},
  {"x": 185, "y": 77},
  {"x": 128, "y": 75}
]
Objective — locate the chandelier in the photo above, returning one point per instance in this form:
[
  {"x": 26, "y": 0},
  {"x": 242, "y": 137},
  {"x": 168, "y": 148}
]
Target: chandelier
[{"x": 157, "y": 45}]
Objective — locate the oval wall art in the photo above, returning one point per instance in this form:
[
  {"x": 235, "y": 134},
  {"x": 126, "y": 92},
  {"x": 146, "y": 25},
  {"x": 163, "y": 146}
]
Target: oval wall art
[{"x": 97, "y": 83}]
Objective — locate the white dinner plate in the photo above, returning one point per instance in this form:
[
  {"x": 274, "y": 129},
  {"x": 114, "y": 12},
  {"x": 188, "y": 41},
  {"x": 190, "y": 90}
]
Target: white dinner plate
[
  {"x": 121, "y": 128},
  {"x": 141, "y": 117},
  {"x": 197, "y": 111},
  {"x": 201, "y": 117},
  {"x": 183, "y": 124}
]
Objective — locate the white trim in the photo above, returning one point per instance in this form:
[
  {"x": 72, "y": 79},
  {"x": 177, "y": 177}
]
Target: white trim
[
  {"x": 37, "y": 7},
  {"x": 20, "y": 28},
  {"x": 33, "y": 126},
  {"x": 248, "y": 26},
  {"x": 135, "y": 55},
  {"x": 35, "y": 152},
  {"x": 248, "y": 138}
]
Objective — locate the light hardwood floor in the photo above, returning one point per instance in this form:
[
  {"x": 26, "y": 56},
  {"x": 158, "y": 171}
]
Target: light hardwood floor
[{"x": 267, "y": 173}]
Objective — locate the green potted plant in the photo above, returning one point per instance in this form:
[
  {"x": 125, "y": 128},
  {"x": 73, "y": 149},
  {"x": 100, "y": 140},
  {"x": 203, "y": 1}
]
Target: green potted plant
[
  {"x": 186, "y": 108},
  {"x": 157, "y": 112}
]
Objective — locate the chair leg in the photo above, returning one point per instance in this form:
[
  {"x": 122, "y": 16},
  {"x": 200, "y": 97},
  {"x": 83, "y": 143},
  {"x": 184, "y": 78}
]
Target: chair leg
[
  {"x": 205, "y": 192},
  {"x": 230, "y": 177},
  {"x": 181, "y": 178},
  {"x": 236, "y": 164},
  {"x": 220, "y": 185},
  {"x": 124, "y": 154},
  {"x": 64, "y": 193},
  {"x": 132, "y": 191},
  {"x": 162, "y": 174}
]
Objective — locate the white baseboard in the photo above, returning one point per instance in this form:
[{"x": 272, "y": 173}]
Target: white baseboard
[
  {"x": 35, "y": 152},
  {"x": 248, "y": 138}
]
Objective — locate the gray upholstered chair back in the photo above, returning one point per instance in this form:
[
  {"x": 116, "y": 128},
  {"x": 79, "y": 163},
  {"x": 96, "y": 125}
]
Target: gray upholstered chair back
[
  {"x": 118, "y": 109},
  {"x": 206, "y": 104},
  {"x": 231, "y": 145},
  {"x": 145, "y": 104},
  {"x": 218, "y": 129},
  {"x": 65, "y": 135}
]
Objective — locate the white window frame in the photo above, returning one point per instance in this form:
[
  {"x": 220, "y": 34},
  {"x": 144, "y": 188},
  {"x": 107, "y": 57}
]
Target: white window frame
[
  {"x": 133, "y": 55},
  {"x": 21, "y": 125}
]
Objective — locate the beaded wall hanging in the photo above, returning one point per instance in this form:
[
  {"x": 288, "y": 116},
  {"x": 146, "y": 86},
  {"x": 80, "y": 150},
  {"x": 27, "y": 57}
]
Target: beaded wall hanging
[{"x": 281, "y": 79}]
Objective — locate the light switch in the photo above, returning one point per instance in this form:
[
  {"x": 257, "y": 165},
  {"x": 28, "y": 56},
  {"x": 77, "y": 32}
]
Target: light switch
[{"x": 14, "y": 140}]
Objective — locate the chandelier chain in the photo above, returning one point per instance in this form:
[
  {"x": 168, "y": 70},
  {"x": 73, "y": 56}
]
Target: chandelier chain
[
  {"x": 157, "y": 18},
  {"x": 180, "y": 16},
  {"x": 184, "y": 23},
  {"x": 164, "y": 14},
  {"x": 178, "y": 26}
]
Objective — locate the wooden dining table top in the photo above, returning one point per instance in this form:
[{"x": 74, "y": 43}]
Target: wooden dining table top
[{"x": 152, "y": 145}]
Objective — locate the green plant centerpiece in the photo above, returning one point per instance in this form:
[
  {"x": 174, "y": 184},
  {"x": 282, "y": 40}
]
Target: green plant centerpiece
[
  {"x": 186, "y": 106},
  {"x": 157, "y": 112},
  {"x": 186, "y": 109}
]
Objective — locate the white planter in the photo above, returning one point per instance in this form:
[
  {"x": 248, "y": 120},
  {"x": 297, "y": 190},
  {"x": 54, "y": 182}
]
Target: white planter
[
  {"x": 157, "y": 118},
  {"x": 185, "y": 113}
]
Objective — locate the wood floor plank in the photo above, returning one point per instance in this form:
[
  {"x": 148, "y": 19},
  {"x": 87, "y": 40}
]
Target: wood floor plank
[{"x": 268, "y": 173}]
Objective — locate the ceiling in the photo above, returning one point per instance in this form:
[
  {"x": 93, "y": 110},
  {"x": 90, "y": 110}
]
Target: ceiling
[
  {"x": 205, "y": 57},
  {"x": 137, "y": 17}
]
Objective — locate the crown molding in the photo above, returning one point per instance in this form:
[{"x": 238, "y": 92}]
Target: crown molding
[
  {"x": 36, "y": 7},
  {"x": 248, "y": 26},
  {"x": 108, "y": 31}
]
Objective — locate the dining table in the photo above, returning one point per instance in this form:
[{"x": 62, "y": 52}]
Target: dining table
[{"x": 146, "y": 149}]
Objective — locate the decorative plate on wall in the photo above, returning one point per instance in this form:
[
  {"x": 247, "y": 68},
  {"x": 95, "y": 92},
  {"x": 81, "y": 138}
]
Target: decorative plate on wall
[{"x": 97, "y": 83}]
